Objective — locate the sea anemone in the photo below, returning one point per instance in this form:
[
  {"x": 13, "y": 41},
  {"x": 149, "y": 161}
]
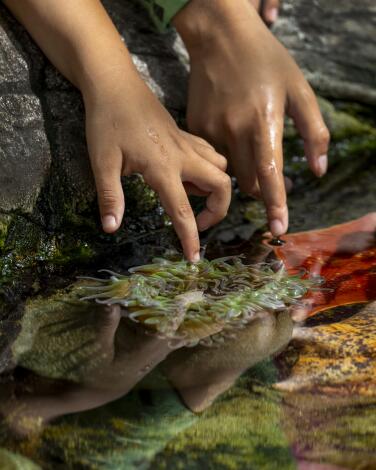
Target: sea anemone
[{"x": 198, "y": 302}]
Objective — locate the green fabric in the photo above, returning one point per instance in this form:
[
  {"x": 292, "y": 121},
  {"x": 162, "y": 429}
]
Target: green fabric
[{"x": 162, "y": 11}]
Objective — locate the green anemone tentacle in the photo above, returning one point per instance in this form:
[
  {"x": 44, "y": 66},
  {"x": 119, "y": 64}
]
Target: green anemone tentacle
[{"x": 178, "y": 299}]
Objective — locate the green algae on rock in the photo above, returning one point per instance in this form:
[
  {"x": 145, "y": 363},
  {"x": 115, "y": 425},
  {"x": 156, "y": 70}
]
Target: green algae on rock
[
  {"x": 12, "y": 461},
  {"x": 190, "y": 302}
]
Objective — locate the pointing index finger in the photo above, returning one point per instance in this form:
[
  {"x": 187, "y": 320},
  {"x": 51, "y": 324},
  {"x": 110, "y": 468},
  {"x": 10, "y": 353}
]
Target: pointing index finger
[
  {"x": 268, "y": 155},
  {"x": 176, "y": 203}
]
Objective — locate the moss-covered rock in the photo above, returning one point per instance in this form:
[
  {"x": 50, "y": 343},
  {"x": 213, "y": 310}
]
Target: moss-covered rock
[{"x": 5, "y": 221}]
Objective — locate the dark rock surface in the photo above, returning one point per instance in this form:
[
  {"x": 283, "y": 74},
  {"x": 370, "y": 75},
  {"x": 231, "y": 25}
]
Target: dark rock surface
[{"x": 334, "y": 43}]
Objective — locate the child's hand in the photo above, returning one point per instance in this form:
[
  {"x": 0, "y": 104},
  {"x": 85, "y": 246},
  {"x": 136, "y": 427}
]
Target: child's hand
[
  {"x": 242, "y": 83},
  {"x": 129, "y": 131}
]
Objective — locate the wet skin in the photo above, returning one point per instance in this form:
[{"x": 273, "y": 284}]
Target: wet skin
[
  {"x": 129, "y": 131},
  {"x": 242, "y": 83}
]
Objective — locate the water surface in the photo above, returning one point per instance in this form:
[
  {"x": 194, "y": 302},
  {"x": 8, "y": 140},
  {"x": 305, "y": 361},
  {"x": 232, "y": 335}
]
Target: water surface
[{"x": 85, "y": 387}]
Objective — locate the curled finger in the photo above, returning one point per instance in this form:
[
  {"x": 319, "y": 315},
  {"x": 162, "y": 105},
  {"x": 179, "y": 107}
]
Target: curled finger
[{"x": 217, "y": 184}]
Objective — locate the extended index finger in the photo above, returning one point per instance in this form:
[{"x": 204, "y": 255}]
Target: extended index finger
[
  {"x": 175, "y": 201},
  {"x": 268, "y": 156}
]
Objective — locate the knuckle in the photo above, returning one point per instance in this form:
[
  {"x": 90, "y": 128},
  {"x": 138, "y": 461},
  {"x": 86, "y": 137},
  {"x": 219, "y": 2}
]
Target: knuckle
[
  {"x": 319, "y": 136},
  {"x": 323, "y": 136},
  {"x": 266, "y": 170},
  {"x": 202, "y": 141},
  {"x": 221, "y": 213},
  {"x": 107, "y": 197},
  {"x": 224, "y": 181},
  {"x": 163, "y": 158},
  {"x": 222, "y": 162},
  {"x": 305, "y": 94},
  {"x": 233, "y": 124},
  {"x": 265, "y": 111},
  {"x": 184, "y": 211},
  {"x": 275, "y": 210}
]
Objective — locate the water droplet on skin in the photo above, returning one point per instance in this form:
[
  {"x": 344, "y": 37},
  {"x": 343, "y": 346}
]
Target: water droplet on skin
[
  {"x": 144, "y": 370},
  {"x": 153, "y": 134},
  {"x": 272, "y": 167}
]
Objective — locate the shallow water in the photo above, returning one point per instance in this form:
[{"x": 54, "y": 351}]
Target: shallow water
[{"x": 87, "y": 388}]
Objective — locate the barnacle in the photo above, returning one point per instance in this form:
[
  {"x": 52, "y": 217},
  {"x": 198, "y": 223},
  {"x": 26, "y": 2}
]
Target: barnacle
[{"x": 194, "y": 302}]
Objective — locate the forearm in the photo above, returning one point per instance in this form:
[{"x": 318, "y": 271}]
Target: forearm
[
  {"x": 202, "y": 21},
  {"x": 78, "y": 37}
]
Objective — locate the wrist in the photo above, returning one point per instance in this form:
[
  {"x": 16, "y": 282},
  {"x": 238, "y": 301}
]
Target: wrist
[
  {"x": 106, "y": 78},
  {"x": 202, "y": 23}
]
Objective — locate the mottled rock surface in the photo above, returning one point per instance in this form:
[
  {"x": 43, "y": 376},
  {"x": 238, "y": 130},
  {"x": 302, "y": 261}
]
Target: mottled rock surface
[{"x": 334, "y": 43}]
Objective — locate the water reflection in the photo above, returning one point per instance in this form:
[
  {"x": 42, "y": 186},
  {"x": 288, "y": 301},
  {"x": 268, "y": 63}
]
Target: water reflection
[
  {"x": 82, "y": 357},
  {"x": 202, "y": 374},
  {"x": 315, "y": 402}
]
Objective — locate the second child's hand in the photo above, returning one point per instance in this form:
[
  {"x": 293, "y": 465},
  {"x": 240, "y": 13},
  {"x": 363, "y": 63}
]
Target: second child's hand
[{"x": 242, "y": 83}]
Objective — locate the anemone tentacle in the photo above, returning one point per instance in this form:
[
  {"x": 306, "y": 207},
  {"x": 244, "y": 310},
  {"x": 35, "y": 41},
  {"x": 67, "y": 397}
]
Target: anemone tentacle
[{"x": 201, "y": 303}]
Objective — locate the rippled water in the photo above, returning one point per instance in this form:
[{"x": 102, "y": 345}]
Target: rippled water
[{"x": 88, "y": 388}]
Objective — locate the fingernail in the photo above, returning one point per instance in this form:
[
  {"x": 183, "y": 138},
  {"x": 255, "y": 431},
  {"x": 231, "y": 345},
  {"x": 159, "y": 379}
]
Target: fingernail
[
  {"x": 196, "y": 257},
  {"x": 276, "y": 227},
  {"x": 273, "y": 15},
  {"x": 109, "y": 223},
  {"x": 322, "y": 164}
]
